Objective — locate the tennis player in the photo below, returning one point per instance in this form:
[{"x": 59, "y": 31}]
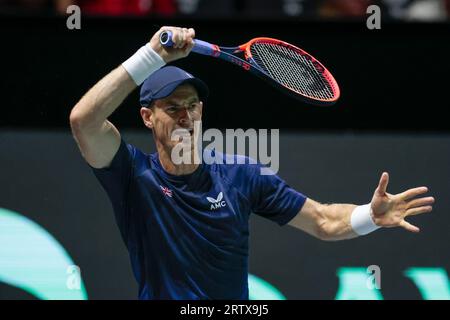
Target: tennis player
[{"x": 186, "y": 225}]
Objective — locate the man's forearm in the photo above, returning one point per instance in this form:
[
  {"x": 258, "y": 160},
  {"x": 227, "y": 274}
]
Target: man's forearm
[
  {"x": 103, "y": 99},
  {"x": 346, "y": 221},
  {"x": 336, "y": 224}
]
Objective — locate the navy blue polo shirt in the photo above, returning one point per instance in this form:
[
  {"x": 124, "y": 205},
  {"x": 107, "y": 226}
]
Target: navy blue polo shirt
[{"x": 187, "y": 236}]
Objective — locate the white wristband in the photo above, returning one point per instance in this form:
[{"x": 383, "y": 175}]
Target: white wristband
[
  {"x": 143, "y": 63},
  {"x": 361, "y": 220}
]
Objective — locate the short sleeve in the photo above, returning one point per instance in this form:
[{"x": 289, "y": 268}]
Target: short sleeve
[
  {"x": 115, "y": 180},
  {"x": 274, "y": 199}
]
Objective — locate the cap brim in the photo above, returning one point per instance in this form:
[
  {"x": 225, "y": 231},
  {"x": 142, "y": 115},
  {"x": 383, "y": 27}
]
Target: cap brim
[{"x": 199, "y": 85}]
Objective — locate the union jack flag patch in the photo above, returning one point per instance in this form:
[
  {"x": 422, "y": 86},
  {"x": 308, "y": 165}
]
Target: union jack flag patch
[{"x": 166, "y": 191}]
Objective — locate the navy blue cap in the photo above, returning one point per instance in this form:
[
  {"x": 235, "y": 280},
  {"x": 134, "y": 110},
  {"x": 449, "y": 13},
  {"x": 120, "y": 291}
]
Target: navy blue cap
[{"x": 163, "y": 82}]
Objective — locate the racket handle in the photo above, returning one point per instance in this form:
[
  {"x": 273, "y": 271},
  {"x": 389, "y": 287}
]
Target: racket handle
[{"x": 201, "y": 47}]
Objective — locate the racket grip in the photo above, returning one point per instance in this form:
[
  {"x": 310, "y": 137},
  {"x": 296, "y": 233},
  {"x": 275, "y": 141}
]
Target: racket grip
[
  {"x": 201, "y": 47},
  {"x": 165, "y": 38}
]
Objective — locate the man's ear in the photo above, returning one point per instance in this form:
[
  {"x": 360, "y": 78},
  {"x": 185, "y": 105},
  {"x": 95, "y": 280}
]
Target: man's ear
[{"x": 147, "y": 117}]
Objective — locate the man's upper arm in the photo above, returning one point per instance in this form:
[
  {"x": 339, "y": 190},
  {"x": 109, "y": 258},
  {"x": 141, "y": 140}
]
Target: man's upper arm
[
  {"x": 98, "y": 146},
  {"x": 272, "y": 198}
]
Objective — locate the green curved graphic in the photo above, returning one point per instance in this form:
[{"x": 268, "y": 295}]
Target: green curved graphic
[
  {"x": 353, "y": 285},
  {"x": 260, "y": 289},
  {"x": 33, "y": 260},
  {"x": 432, "y": 283}
]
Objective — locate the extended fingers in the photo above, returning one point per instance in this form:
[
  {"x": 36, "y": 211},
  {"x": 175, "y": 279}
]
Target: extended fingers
[
  {"x": 418, "y": 210},
  {"x": 414, "y": 192},
  {"x": 382, "y": 185},
  {"x": 420, "y": 202},
  {"x": 408, "y": 226}
]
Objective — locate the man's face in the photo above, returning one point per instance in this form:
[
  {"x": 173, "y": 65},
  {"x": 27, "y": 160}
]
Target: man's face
[{"x": 177, "y": 111}]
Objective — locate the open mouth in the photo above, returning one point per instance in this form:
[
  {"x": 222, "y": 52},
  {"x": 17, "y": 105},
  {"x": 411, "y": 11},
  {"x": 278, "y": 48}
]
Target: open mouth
[{"x": 190, "y": 130}]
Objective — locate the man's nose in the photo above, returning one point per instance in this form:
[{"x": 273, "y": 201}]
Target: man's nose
[{"x": 185, "y": 116}]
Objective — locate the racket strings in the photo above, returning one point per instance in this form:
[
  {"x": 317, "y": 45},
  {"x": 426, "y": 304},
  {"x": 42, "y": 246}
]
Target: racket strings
[{"x": 292, "y": 69}]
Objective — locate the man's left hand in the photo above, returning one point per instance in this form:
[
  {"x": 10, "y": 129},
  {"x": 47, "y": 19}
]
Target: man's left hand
[{"x": 390, "y": 210}]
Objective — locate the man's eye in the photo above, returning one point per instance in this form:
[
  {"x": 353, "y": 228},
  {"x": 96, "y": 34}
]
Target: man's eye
[
  {"x": 195, "y": 105},
  {"x": 171, "y": 109}
]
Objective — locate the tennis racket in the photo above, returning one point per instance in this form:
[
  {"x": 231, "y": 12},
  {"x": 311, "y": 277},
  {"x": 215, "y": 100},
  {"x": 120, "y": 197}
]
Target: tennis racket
[{"x": 283, "y": 65}]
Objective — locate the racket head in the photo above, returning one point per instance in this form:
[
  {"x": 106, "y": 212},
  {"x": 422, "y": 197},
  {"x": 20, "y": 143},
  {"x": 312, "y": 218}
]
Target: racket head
[{"x": 292, "y": 70}]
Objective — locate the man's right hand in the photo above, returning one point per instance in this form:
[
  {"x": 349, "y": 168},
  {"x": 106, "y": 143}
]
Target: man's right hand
[
  {"x": 97, "y": 138},
  {"x": 182, "y": 38}
]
